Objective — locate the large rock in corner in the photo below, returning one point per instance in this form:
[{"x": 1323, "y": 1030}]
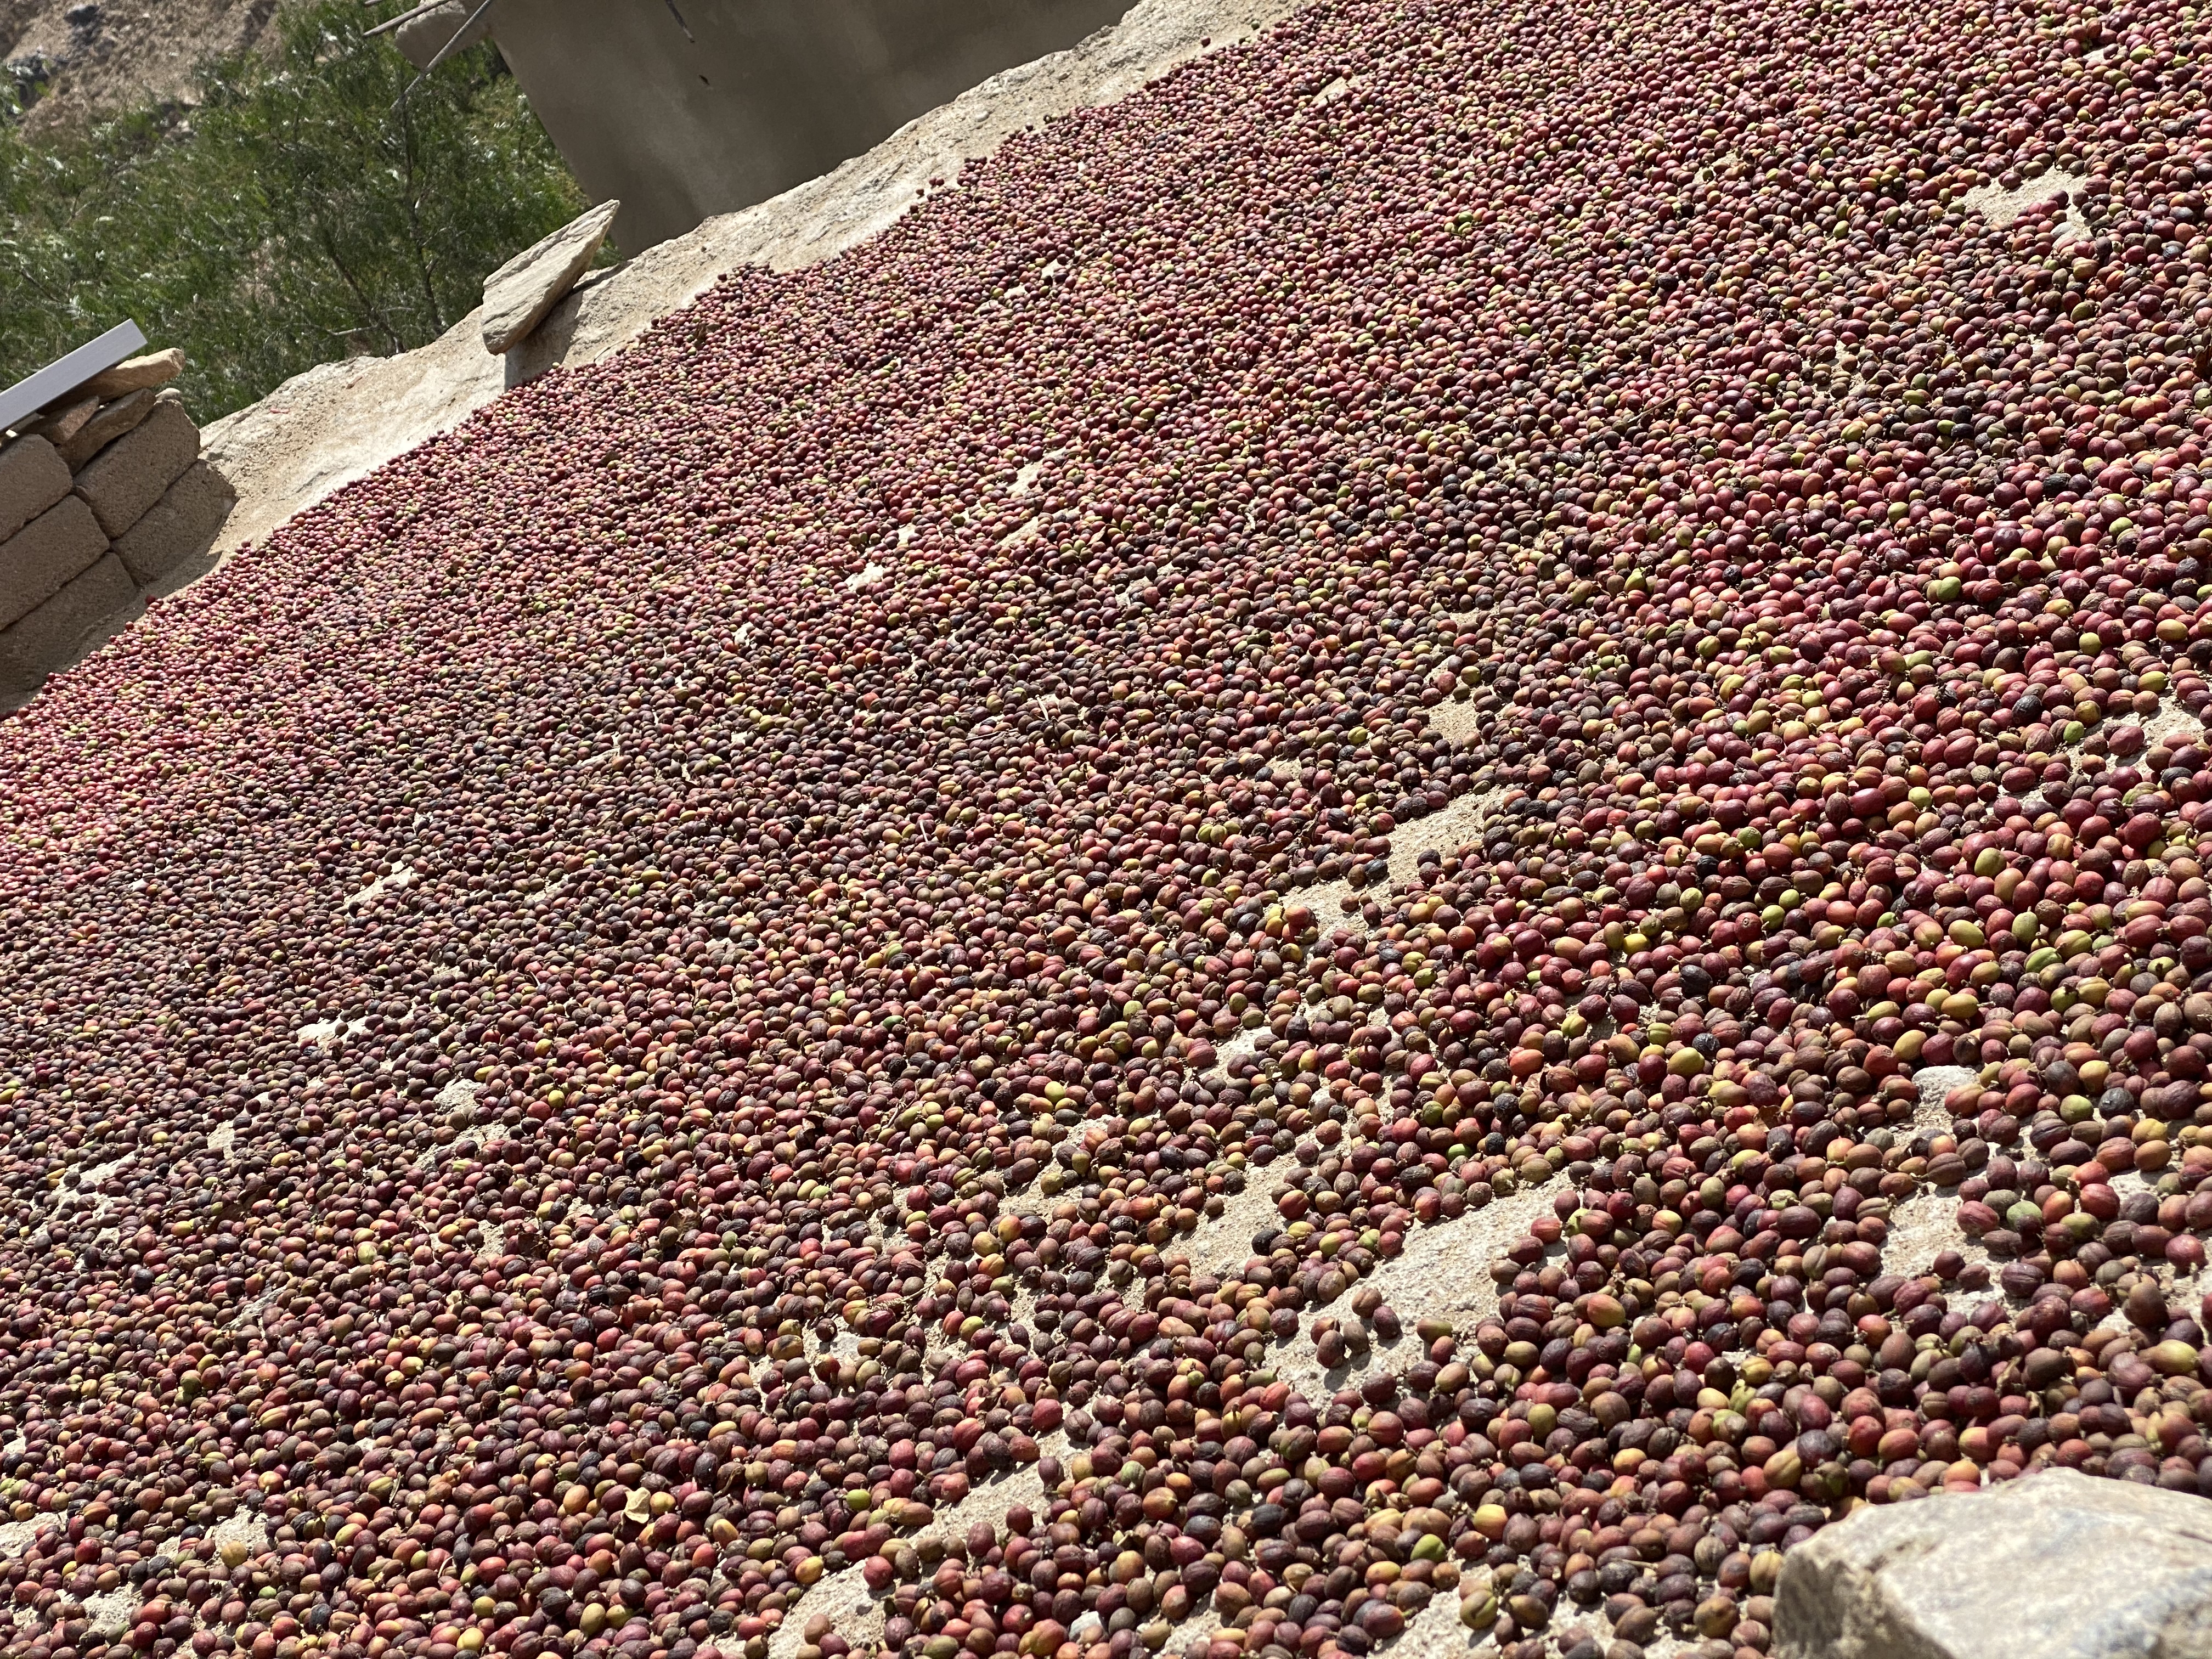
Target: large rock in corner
[
  {"x": 2058, "y": 1566},
  {"x": 519, "y": 294}
]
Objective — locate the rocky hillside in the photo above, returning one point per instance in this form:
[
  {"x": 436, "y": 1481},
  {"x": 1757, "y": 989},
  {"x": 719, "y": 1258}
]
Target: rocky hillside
[{"x": 66, "y": 58}]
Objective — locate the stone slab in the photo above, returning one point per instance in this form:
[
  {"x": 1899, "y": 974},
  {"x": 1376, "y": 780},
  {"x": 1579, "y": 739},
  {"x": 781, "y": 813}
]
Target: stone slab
[
  {"x": 32, "y": 477},
  {"x": 65, "y": 420},
  {"x": 170, "y": 547},
  {"x": 45, "y": 555},
  {"x": 126, "y": 478},
  {"x": 2058, "y": 1566},
  {"x": 137, "y": 374},
  {"x": 70, "y": 627},
  {"x": 110, "y": 423},
  {"x": 519, "y": 294}
]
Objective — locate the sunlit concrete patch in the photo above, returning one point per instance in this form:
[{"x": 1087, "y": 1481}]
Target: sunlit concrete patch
[
  {"x": 844, "y": 1345},
  {"x": 1924, "y": 1225},
  {"x": 240, "y": 1538},
  {"x": 110, "y": 1612},
  {"x": 1443, "y": 1273},
  {"x": 461, "y": 1091},
  {"x": 1242, "y": 1045},
  {"x": 402, "y": 875},
  {"x": 1223, "y": 1243},
  {"x": 84, "y": 1200},
  {"x": 251, "y": 1310},
  {"x": 2171, "y": 723},
  {"x": 1456, "y": 721},
  {"x": 843, "y": 1597},
  {"x": 2168, "y": 724},
  {"x": 2000, "y": 206},
  {"x": 1195, "y": 1632},
  {"x": 459, "y": 1097},
  {"x": 1446, "y": 831},
  {"x": 1339, "y": 904},
  {"x": 1931, "y": 1116}
]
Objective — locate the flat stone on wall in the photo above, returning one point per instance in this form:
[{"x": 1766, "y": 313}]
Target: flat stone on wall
[
  {"x": 138, "y": 374},
  {"x": 108, "y": 423}
]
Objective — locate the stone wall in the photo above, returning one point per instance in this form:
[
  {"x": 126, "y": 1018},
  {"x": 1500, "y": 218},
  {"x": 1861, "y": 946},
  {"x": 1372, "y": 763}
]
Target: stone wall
[{"x": 104, "y": 504}]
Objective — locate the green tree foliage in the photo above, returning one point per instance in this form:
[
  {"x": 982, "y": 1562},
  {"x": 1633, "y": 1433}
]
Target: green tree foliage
[{"x": 290, "y": 217}]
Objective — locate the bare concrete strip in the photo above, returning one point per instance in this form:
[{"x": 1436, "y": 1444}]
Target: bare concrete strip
[
  {"x": 402, "y": 875},
  {"x": 1930, "y": 1115},
  {"x": 1224, "y": 1243},
  {"x": 843, "y": 1597},
  {"x": 2001, "y": 206},
  {"x": 1445, "y": 1273},
  {"x": 1456, "y": 825},
  {"x": 340, "y": 422}
]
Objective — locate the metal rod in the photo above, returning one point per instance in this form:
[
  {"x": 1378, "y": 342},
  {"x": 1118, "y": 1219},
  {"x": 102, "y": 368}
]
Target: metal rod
[
  {"x": 444, "y": 52},
  {"x": 404, "y": 18},
  {"x": 28, "y": 396}
]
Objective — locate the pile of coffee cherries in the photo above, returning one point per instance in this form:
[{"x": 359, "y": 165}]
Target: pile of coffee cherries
[{"x": 847, "y": 906}]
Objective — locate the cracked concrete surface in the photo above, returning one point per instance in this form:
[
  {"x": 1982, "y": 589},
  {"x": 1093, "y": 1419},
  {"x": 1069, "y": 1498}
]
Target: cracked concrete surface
[
  {"x": 401, "y": 875},
  {"x": 1222, "y": 1243}
]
